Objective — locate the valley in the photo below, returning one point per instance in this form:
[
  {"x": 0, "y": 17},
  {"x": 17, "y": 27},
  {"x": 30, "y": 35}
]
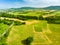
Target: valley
[{"x": 30, "y": 27}]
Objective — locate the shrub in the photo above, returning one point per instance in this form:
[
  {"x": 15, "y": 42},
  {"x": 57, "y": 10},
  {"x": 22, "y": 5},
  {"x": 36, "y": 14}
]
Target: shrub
[{"x": 27, "y": 41}]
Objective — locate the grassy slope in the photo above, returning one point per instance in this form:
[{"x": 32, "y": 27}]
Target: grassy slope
[
  {"x": 40, "y": 26},
  {"x": 30, "y": 13},
  {"x": 55, "y": 36},
  {"x": 19, "y": 33},
  {"x": 3, "y": 27}
]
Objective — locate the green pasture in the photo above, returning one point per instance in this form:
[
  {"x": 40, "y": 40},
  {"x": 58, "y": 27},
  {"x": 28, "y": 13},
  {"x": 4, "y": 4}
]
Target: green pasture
[
  {"x": 55, "y": 35},
  {"x": 21, "y": 32},
  {"x": 55, "y": 28},
  {"x": 40, "y": 26},
  {"x": 3, "y": 28}
]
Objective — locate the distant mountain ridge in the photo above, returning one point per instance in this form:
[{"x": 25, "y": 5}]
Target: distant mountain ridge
[
  {"x": 24, "y": 8},
  {"x": 33, "y": 8},
  {"x": 53, "y": 8},
  {"x": 49, "y": 8}
]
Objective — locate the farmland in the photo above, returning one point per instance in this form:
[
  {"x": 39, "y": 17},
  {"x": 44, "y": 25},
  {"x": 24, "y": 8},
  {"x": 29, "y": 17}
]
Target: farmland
[
  {"x": 41, "y": 36},
  {"x": 31, "y": 27}
]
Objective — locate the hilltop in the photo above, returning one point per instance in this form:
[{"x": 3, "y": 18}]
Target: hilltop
[{"x": 33, "y": 8}]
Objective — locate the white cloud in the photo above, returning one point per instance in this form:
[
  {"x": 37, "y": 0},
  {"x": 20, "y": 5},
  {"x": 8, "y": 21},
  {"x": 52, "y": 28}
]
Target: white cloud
[
  {"x": 30, "y": 3},
  {"x": 42, "y": 3},
  {"x": 46, "y": 1}
]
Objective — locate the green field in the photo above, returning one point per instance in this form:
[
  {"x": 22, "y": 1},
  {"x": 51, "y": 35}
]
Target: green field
[
  {"x": 40, "y": 36},
  {"x": 3, "y": 28},
  {"x": 30, "y": 13},
  {"x": 19, "y": 33},
  {"x": 40, "y": 26},
  {"x": 55, "y": 35},
  {"x": 38, "y": 30},
  {"x": 55, "y": 28}
]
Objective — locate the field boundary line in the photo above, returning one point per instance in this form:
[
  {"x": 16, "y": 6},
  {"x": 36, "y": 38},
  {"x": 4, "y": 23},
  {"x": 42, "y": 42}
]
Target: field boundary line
[
  {"x": 7, "y": 30},
  {"x": 47, "y": 38}
]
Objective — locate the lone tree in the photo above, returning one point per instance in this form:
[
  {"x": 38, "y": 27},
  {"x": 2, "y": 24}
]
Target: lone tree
[{"x": 27, "y": 41}]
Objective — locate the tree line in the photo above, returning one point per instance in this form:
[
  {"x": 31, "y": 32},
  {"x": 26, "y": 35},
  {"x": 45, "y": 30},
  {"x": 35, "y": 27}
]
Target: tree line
[
  {"x": 50, "y": 19},
  {"x": 21, "y": 17},
  {"x": 9, "y": 22},
  {"x": 53, "y": 19}
]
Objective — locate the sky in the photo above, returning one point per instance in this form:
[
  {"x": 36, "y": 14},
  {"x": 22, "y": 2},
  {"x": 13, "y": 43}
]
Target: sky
[{"x": 4, "y": 4}]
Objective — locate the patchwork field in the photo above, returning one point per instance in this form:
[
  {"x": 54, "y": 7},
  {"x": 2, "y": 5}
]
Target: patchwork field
[
  {"x": 41, "y": 34},
  {"x": 30, "y": 28},
  {"x": 19, "y": 33}
]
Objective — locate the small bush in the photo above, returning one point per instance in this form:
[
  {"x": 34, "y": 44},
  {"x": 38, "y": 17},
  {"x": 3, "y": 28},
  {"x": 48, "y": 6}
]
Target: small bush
[{"x": 27, "y": 41}]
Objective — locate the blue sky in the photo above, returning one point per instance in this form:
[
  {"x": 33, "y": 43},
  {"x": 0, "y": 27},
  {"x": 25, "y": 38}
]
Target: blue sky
[{"x": 28, "y": 3}]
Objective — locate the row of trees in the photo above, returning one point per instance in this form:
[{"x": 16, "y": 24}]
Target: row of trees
[
  {"x": 22, "y": 17},
  {"x": 53, "y": 19},
  {"x": 9, "y": 22}
]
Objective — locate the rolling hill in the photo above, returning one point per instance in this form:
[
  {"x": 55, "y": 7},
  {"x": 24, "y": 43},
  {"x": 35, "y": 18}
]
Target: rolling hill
[
  {"x": 33, "y": 8},
  {"x": 53, "y": 8}
]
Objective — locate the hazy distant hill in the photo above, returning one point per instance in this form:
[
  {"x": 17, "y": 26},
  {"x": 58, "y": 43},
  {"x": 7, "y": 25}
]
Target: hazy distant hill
[
  {"x": 33, "y": 8},
  {"x": 23, "y": 8},
  {"x": 52, "y": 8}
]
